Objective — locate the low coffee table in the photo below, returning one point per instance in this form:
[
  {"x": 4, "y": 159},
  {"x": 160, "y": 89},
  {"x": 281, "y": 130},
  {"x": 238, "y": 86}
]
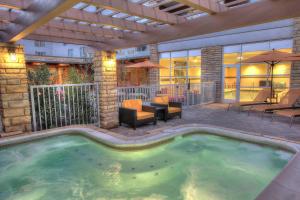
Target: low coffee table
[{"x": 161, "y": 112}]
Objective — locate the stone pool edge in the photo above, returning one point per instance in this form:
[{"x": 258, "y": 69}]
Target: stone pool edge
[{"x": 282, "y": 187}]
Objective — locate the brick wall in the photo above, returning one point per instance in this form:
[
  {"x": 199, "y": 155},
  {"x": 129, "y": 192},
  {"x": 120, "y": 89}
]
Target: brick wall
[
  {"x": 14, "y": 98},
  {"x": 295, "y": 71},
  {"x": 154, "y": 57},
  {"x": 211, "y": 69},
  {"x": 106, "y": 76}
]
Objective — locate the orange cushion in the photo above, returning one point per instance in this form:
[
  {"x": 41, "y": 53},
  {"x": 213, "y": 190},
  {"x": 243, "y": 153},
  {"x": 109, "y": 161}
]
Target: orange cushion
[
  {"x": 161, "y": 100},
  {"x": 133, "y": 104},
  {"x": 174, "y": 110},
  {"x": 144, "y": 115}
]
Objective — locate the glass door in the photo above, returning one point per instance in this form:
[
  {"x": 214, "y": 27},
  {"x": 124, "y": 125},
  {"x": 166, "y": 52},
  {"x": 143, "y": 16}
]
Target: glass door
[{"x": 231, "y": 83}]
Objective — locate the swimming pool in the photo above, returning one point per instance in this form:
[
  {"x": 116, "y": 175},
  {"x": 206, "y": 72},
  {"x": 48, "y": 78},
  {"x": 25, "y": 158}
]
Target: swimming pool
[{"x": 195, "y": 167}]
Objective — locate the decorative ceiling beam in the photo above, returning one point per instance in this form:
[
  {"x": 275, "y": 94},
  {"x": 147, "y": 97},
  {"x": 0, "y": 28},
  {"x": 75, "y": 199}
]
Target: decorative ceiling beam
[
  {"x": 36, "y": 15},
  {"x": 55, "y": 32},
  {"x": 15, "y": 4},
  {"x": 93, "y": 18},
  {"x": 208, "y": 6},
  {"x": 97, "y": 45},
  {"x": 84, "y": 16},
  {"x": 70, "y": 26},
  {"x": 261, "y": 12},
  {"x": 134, "y": 9}
]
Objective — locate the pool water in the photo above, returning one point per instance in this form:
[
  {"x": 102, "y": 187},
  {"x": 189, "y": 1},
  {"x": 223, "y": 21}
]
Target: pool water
[{"x": 196, "y": 167}]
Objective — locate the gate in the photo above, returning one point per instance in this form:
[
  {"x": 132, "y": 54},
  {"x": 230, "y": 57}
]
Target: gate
[{"x": 61, "y": 105}]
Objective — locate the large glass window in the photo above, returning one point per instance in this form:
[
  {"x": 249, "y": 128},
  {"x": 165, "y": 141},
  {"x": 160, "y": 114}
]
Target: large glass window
[
  {"x": 255, "y": 76},
  {"x": 181, "y": 67}
]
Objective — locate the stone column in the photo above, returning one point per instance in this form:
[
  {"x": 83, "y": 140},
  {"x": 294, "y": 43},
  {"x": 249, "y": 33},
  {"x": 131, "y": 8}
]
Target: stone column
[
  {"x": 295, "y": 71},
  {"x": 106, "y": 75},
  {"x": 14, "y": 98},
  {"x": 211, "y": 68},
  {"x": 154, "y": 57}
]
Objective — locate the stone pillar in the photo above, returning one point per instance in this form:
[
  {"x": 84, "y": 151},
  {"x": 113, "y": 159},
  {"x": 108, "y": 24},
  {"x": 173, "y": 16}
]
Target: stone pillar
[
  {"x": 295, "y": 71},
  {"x": 154, "y": 57},
  {"x": 14, "y": 98},
  {"x": 106, "y": 75},
  {"x": 211, "y": 68}
]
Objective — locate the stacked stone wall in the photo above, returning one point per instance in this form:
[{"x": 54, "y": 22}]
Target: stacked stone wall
[
  {"x": 106, "y": 76},
  {"x": 211, "y": 67},
  {"x": 14, "y": 98}
]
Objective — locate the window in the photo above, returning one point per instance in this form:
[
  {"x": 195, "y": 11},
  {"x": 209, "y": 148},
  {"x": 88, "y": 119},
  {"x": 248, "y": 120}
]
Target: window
[
  {"x": 39, "y": 43},
  {"x": 182, "y": 66},
  {"x": 250, "y": 78},
  {"x": 40, "y": 53},
  {"x": 82, "y": 52},
  {"x": 70, "y": 52},
  {"x": 141, "y": 48}
]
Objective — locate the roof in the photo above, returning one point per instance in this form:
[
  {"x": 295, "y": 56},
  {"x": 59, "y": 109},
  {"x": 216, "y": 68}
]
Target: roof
[{"x": 114, "y": 24}]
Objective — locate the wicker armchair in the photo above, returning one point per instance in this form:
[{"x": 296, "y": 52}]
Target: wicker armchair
[
  {"x": 173, "y": 109},
  {"x": 135, "y": 114}
]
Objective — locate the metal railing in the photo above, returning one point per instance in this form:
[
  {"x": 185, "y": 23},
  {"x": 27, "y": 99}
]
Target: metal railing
[
  {"x": 193, "y": 95},
  {"x": 60, "y": 105}
]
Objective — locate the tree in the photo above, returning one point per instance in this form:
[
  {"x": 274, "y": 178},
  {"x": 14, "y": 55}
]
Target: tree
[{"x": 40, "y": 76}]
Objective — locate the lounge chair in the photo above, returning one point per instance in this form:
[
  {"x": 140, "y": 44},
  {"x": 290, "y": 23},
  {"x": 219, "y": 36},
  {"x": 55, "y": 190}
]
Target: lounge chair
[
  {"x": 291, "y": 113},
  {"x": 172, "y": 109},
  {"x": 261, "y": 98},
  {"x": 288, "y": 101},
  {"x": 134, "y": 113}
]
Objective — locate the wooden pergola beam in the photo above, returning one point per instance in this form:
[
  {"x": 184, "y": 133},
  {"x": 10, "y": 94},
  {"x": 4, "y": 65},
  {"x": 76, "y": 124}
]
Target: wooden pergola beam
[
  {"x": 70, "y": 26},
  {"x": 93, "y": 18},
  {"x": 80, "y": 15},
  {"x": 37, "y": 14},
  {"x": 96, "y": 45},
  {"x": 55, "y": 32},
  {"x": 208, "y": 6},
  {"x": 137, "y": 10},
  {"x": 15, "y": 4},
  {"x": 84, "y": 17}
]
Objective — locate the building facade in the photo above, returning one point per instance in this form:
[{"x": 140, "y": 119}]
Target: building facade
[{"x": 219, "y": 57}]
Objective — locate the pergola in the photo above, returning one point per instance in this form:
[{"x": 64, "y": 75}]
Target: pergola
[{"x": 114, "y": 24}]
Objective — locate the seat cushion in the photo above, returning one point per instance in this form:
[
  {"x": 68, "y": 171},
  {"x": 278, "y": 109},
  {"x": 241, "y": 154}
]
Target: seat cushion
[
  {"x": 136, "y": 104},
  {"x": 161, "y": 100},
  {"x": 174, "y": 110},
  {"x": 144, "y": 115}
]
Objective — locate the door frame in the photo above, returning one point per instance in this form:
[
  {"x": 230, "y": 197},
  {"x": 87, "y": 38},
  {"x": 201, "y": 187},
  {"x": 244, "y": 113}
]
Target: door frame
[{"x": 238, "y": 78}]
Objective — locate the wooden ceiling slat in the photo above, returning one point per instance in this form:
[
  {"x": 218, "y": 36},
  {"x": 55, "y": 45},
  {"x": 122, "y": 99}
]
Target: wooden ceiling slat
[
  {"x": 209, "y": 6},
  {"x": 27, "y": 22},
  {"x": 93, "y": 18},
  {"x": 134, "y": 9}
]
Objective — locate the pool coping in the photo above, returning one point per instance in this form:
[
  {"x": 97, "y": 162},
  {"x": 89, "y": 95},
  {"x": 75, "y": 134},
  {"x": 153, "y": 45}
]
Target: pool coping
[{"x": 282, "y": 187}]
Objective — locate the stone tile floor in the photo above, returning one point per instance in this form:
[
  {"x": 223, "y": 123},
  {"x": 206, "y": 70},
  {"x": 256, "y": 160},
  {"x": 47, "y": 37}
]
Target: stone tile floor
[{"x": 215, "y": 114}]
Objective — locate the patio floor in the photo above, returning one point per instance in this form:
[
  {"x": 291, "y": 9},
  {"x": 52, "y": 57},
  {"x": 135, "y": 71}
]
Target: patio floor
[{"x": 215, "y": 114}]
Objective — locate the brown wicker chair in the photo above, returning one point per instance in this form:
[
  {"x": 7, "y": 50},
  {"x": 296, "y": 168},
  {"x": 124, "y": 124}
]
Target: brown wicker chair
[
  {"x": 172, "y": 109},
  {"x": 135, "y": 114}
]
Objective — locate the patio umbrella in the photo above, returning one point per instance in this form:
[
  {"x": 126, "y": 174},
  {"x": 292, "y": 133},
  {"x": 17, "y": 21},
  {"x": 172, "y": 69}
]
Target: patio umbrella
[
  {"x": 272, "y": 58},
  {"x": 145, "y": 65}
]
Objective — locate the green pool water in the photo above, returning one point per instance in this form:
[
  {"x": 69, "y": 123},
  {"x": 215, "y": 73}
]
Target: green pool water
[{"x": 196, "y": 167}]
